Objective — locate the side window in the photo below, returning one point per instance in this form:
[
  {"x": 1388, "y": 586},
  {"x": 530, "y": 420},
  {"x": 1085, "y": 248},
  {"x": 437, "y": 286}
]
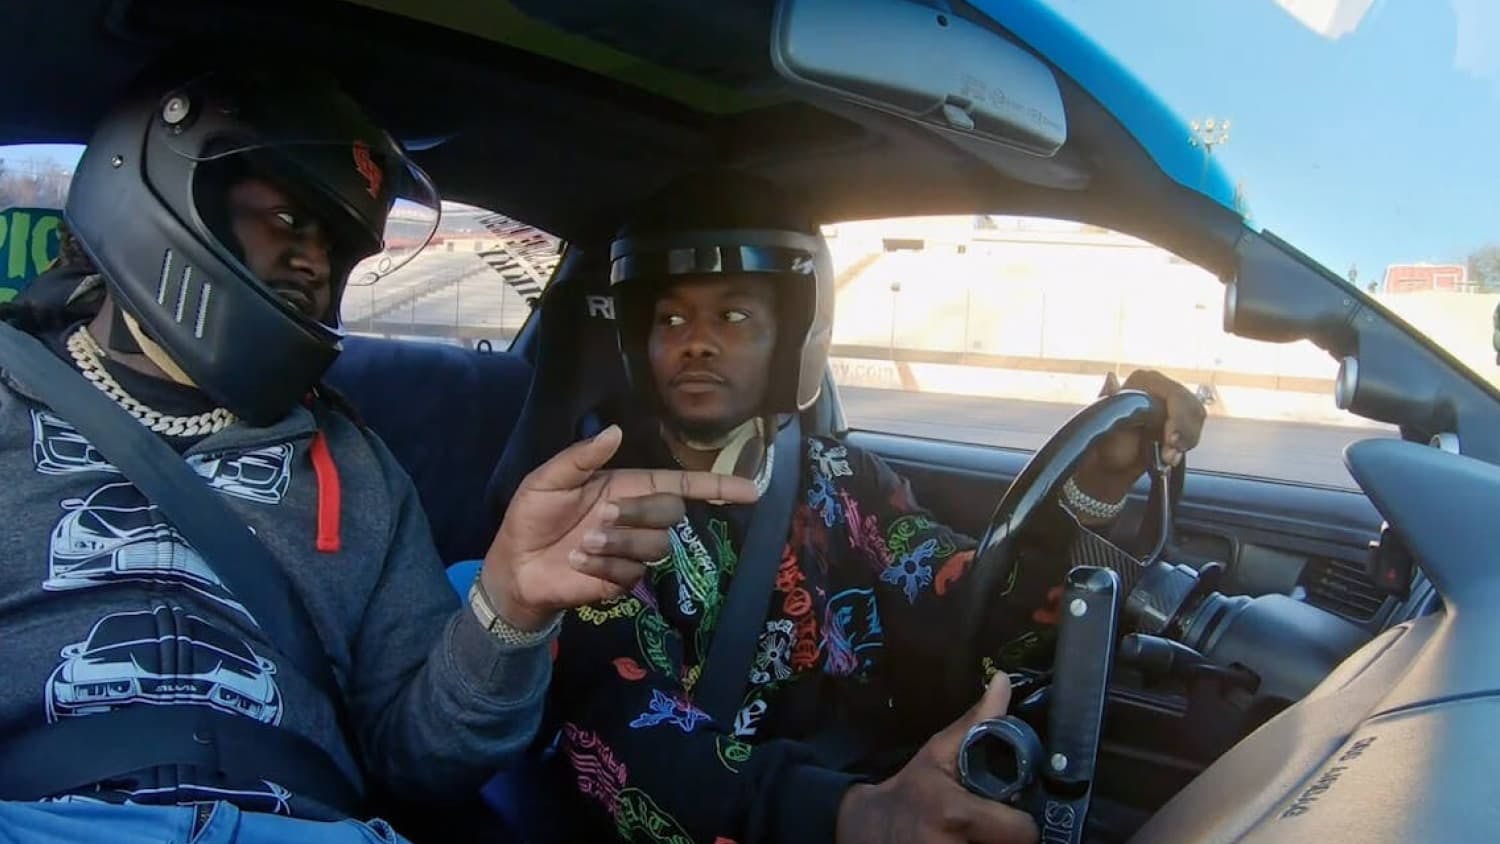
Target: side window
[
  {"x": 995, "y": 330},
  {"x": 475, "y": 282}
]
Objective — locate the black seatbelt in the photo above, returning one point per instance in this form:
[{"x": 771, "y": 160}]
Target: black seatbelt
[
  {"x": 225, "y": 542},
  {"x": 223, "y": 750},
  {"x": 721, "y": 689}
]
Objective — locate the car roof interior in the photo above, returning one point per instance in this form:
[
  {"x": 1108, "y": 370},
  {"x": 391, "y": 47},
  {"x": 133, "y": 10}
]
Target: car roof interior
[{"x": 563, "y": 117}]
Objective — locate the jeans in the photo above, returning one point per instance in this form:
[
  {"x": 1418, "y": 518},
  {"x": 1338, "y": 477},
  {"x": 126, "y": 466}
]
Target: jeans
[{"x": 73, "y": 820}]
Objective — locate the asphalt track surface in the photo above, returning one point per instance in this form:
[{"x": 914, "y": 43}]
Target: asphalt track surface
[{"x": 1292, "y": 451}]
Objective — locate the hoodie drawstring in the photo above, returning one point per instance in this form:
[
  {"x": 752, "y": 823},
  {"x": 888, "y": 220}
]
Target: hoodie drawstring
[{"x": 329, "y": 495}]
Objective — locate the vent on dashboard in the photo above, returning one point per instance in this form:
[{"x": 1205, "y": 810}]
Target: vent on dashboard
[{"x": 1341, "y": 587}]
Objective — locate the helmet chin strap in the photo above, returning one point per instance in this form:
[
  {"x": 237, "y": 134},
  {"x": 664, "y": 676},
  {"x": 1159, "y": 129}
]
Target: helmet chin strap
[
  {"x": 730, "y": 446},
  {"x": 154, "y": 353}
]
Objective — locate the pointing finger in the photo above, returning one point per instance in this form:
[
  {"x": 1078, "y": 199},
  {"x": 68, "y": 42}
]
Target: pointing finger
[
  {"x": 573, "y": 466},
  {"x": 697, "y": 486},
  {"x": 993, "y": 704},
  {"x": 658, "y": 510}
]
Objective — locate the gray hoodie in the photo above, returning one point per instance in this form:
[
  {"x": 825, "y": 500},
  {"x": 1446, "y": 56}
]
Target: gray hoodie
[{"x": 104, "y": 605}]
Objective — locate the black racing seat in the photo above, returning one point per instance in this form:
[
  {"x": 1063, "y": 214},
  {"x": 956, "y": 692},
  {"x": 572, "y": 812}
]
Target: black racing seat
[
  {"x": 578, "y": 385},
  {"x": 446, "y": 413}
]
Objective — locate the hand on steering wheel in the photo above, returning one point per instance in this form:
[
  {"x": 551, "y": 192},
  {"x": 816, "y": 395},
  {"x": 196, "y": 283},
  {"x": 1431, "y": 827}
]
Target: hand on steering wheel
[{"x": 1112, "y": 465}]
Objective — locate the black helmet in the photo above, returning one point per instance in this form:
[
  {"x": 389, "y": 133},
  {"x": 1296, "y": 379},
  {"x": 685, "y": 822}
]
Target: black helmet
[
  {"x": 147, "y": 204},
  {"x": 728, "y": 222}
]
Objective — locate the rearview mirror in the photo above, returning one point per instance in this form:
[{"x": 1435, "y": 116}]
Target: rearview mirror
[{"x": 922, "y": 64}]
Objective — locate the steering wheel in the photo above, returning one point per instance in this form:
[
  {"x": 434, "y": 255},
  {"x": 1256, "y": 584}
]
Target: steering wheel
[
  {"x": 999, "y": 607},
  {"x": 1000, "y": 600}
]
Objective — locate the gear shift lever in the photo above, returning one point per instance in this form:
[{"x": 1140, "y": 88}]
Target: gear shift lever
[{"x": 1002, "y": 759}]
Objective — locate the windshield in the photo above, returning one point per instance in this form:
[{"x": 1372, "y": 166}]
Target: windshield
[{"x": 1365, "y": 132}]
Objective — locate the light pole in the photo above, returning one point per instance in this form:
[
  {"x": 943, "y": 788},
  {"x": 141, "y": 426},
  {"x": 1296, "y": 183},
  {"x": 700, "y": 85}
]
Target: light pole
[
  {"x": 891, "y": 348},
  {"x": 1209, "y": 133}
]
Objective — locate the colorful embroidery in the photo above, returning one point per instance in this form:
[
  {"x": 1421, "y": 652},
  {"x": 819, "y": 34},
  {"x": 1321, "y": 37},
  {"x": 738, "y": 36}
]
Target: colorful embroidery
[
  {"x": 639, "y": 813},
  {"x": 651, "y": 632},
  {"x": 989, "y": 668},
  {"x": 624, "y": 606},
  {"x": 809, "y": 534},
  {"x": 847, "y": 546},
  {"x": 798, "y": 605},
  {"x": 821, "y": 498},
  {"x": 642, "y": 592},
  {"x": 851, "y": 633},
  {"x": 864, "y": 534},
  {"x": 723, "y": 546},
  {"x": 697, "y": 575},
  {"x": 911, "y": 566},
  {"x": 719, "y": 530},
  {"x": 669, "y": 709},
  {"x": 830, "y": 462},
  {"x": 747, "y": 720},
  {"x": 772, "y": 661},
  {"x": 952, "y": 570},
  {"x": 732, "y": 752},
  {"x": 600, "y": 774},
  {"x": 629, "y": 669},
  {"x": 912, "y": 572}
]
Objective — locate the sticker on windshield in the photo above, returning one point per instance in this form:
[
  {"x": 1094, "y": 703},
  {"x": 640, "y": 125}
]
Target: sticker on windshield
[{"x": 30, "y": 240}]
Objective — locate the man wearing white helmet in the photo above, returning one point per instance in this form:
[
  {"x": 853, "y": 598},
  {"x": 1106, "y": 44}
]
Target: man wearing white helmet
[{"x": 724, "y": 304}]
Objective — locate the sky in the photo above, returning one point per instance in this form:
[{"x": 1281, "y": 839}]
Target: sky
[
  {"x": 1378, "y": 146},
  {"x": 1375, "y": 143}
]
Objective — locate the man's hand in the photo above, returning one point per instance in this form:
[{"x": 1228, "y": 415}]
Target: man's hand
[
  {"x": 576, "y": 535},
  {"x": 925, "y": 803},
  {"x": 1112, "y": 466}
]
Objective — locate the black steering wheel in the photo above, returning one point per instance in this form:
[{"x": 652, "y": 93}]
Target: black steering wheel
[
  {"x": 998, "y": 595},
  {"x": 1002, "y": 758}
]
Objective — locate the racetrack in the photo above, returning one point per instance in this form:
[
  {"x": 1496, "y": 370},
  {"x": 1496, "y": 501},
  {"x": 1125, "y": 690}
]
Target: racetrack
[{"x": 1293, "y": 451}]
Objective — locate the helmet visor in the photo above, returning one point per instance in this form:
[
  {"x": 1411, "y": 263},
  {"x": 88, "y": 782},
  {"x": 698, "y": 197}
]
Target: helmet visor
[
  {"x": 377, "y": 208},
  {"x": 711, "y": 252}
]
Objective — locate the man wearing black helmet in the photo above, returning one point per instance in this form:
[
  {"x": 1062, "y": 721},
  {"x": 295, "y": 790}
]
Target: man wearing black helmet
[
  {"x": 724, "y": 304},
  {"x": 152, "y": 688}
]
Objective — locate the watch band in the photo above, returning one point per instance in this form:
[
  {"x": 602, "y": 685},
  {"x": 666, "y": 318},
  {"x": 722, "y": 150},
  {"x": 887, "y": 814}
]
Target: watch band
[{"x": 500, "y": 629}]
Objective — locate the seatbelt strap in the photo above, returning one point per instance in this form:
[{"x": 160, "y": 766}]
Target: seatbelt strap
[
  {"x": 721, "y": 689},
  {"x": 241, "y": 561},
  {"x": 224, "y": 750}
]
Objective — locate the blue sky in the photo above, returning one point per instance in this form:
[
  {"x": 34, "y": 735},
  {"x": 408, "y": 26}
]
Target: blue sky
[
  {"x": 1381, "y": 146},
  {"x": 1378, "y": 147}
]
